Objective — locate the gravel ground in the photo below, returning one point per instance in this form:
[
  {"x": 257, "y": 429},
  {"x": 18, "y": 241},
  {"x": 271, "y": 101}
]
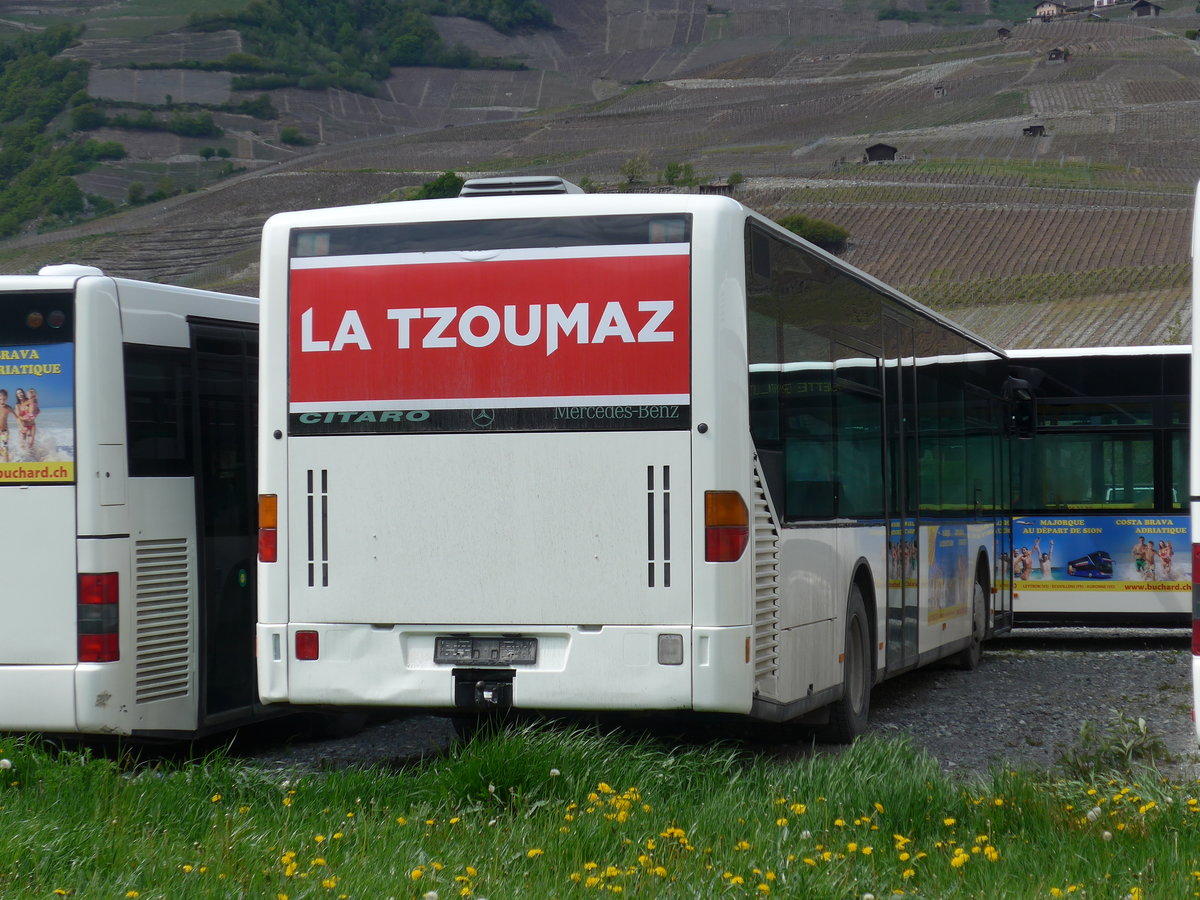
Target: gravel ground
[{"x": 1024, "y": 706}]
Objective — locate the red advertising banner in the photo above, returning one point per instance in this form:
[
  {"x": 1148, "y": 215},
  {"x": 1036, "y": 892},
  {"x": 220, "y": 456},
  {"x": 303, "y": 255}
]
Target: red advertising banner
[{"x": 454, "y": 332}]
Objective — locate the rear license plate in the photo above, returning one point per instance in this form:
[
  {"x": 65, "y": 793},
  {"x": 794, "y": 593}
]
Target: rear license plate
[{"x": 485, "y": 651}]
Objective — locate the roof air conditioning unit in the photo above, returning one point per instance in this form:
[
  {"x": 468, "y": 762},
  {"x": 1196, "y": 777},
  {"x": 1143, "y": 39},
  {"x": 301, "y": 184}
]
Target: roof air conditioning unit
[{"x": 518, "y": 184}]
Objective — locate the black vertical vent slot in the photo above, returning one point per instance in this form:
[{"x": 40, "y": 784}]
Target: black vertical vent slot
[
  {"x": 658, "y": 510},
  {"x": 318, "y": 527}
]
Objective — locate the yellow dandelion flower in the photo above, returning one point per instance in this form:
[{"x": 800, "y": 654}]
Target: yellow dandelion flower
[
  {"x": 534, "y": 852},
  {"x": 879, "y": 808},
  {"x": 319, "y": 861},
  {"x": 905, "y": 857},
  {"x": 737, "y": 879},
  {"x": 798, "y": 808},
  {"x": 949, "y": 821},
  {"x": 454, "y": 820},
  {"x": 852, "y": 847},
  {"x": 764, "y": 888},
  {"x": 320, "y": 838},
  {"x": 187, "y": 867},
  {"x": 867, "y": 851},
  {"x": 999, "y": 801},
  {"x": 742, "y": 845},
  {"x": 840, "y": 823},
  {"x": 133, "y": 894},
  {"x": 659, "y": 872},
  {"x": 592, "y": 881},
  {"x": 1056, "y": 892},
  {"x": 808, "y": 861},
  {"x": 781, "y": 822},
  {"x": 908, "y": 873},
  {"x": 215, "y": 798},
  {"x": 589, "y": 866},
  {"x": 417, "y": 873},
  {"x": 400, "y": 820},
  {"x": 337, "y": 835},
  {"x": 330, "y": 882},
  {"x": 604, "y": 788}
]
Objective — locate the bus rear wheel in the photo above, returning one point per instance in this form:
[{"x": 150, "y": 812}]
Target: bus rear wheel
[
  {"x": 968, "y": 659},
  {"x": 848, "y": 715}
]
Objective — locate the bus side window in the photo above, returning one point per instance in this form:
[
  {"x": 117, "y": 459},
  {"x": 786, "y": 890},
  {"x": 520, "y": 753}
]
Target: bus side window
[{"x": 158, "y": 411}]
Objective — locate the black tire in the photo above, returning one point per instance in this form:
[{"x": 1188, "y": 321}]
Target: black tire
[
  {"x": 969, "y": 658},
  {"x": 848, "y": 715}
]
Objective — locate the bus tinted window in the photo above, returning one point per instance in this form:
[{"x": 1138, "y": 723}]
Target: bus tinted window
[
  {"x": 36, "y": 318},
  {"x": 1084, "y": 471},
  {"x": 498, "y": 234},
  {"x": 158, "y": 411}
]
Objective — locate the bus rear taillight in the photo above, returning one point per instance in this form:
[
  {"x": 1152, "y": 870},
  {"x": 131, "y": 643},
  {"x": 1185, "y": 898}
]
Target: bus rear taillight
[
  {"x": 268, "y": 528},
  {"x": 726, "y": 526},
  {"x": 96, "y": 618}
]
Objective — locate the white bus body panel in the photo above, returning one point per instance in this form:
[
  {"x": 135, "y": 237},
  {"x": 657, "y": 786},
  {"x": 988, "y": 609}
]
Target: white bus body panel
[
  {"x": 37, "y": 558},
  {"x": 521, "y": 551}
]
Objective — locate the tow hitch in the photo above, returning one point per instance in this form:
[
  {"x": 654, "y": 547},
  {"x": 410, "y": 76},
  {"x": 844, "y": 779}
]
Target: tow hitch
[{"x": 483, "y": 689}]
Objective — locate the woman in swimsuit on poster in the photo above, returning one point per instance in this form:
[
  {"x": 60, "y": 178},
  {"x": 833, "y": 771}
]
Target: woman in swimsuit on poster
[{"x": 27, "y": 413}]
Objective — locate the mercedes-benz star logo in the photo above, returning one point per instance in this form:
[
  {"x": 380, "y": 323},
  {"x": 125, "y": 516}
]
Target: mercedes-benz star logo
[{"x": 483, "y": 418}]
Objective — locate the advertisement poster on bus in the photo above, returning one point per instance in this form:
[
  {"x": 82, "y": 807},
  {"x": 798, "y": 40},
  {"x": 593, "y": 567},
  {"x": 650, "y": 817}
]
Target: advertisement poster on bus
[
  {"x": 543, "y": 339},
  {"x": 37, "y": 414},
  {"x": 1102, "y": 553},
  {"x": 949, "y": 586}
]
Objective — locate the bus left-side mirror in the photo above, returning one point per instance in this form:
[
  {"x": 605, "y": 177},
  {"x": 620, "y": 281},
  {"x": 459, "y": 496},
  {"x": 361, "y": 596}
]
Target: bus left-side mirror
[{"x": 1022, "y": 407}]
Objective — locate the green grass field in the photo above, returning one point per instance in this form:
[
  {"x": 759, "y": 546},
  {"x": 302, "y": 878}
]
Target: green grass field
[{"x": 549, "y": 812}]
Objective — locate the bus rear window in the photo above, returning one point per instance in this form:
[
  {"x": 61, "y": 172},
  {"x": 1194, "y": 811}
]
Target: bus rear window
[
  {"x": 492, "y": 234},
  {"x": 36, "y": 318}
]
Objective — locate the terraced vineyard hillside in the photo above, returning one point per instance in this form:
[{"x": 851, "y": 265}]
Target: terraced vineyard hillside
[{"x": 1040, "y": 201}]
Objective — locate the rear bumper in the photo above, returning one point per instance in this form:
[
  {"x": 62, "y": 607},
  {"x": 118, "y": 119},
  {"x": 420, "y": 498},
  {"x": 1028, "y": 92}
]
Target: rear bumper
[{"x": 610, "y": 668}]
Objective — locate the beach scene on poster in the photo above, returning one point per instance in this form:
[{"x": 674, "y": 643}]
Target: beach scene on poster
[
  {"x": 37, "y": 415},
  {"x": 1125, "y": 552}
]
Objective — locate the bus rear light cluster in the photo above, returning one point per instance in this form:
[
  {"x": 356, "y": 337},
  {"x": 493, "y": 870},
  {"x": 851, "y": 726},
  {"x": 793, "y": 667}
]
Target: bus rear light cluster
[
  {"x": 726, "y": 526},
  {"x": 268, "y": 528},
  {"x": 97, "y": 623}
]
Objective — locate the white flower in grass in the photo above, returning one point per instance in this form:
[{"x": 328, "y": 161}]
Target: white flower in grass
[{"x": 5, "y": 763}]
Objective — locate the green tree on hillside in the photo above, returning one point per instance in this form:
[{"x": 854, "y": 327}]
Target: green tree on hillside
[
  {"x": 353, "y": 44},
  {"x": 36, "y": 167},
  {"x": 825, "y": 235}
]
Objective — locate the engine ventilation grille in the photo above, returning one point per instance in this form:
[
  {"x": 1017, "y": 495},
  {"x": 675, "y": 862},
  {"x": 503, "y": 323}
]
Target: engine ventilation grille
[
  {"x": 163, "y": 631},
  {"x": 766, "y": 590},
  {"x": 518, "y": 184}
]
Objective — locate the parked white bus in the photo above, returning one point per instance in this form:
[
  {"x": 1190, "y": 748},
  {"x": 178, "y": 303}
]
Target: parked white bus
[
  {"x": 1101, "y": 525},
  {"x": 127, "y": 440},
  {"x": 613, "y": 452},
  {"x": 1194, "y": 459}
]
